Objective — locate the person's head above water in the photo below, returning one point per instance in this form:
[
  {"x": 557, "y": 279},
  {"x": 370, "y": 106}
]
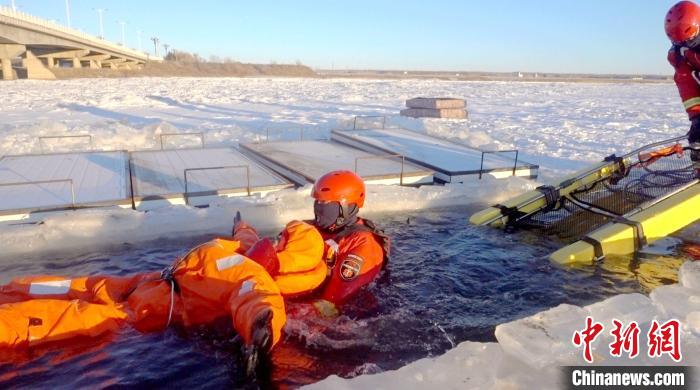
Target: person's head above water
[
  {"x": 682, "y": 24},
  {"x": 338, "y": 197}
]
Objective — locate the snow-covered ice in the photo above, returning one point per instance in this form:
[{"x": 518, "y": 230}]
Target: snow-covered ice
[{"x": 560, "y": 126}]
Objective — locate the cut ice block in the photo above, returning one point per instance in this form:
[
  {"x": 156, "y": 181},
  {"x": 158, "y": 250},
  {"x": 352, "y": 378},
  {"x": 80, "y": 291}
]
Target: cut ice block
[
  {"x": 676, "y": 301},
  {"x": 689, "y": 275},
  {"x": 624, "y": 308},
  {"x": 305, "y": 161},
  {"x": 197, "y": 177},
  {"x": 545, "y": 338},
  {"x": 435, "y": 103},
  {"x": 63, "y": 180},
  {"x": 451, "y": 162},
  {"x": 448, "y": 113}
]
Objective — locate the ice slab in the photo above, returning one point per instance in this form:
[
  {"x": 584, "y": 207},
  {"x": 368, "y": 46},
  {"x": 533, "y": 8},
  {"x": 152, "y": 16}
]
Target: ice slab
[
  {"x": 676, "y": 301},
  {"x": 624, "y": 308},
  {"x": 689, "y": 275},
  {"x": 197, "y": 176},
  {"x": 470, "y": 365},
  {"x": 451, "y": 162},
  {"x": 693, "y": 322},
  {"x": 435, "y": 103},
  {"x": 447, "y": 113},
  {"x": 544, "y": 339},
  {"x": 86, "y": 179},
  {"x": 305, "y": 161}
]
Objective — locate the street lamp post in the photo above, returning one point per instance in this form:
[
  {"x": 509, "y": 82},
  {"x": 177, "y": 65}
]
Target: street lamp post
[
  {"x": 155, "y": 45},
  {"x": 14, "y": 6},
  {"x": 123, "y": 33},
  {"x": 100, "y": 11},
  {"x": 68, "y": 12},
  {"x": 166, "y": 46}
]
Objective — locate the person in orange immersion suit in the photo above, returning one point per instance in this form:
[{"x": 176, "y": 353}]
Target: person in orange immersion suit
[
  {"x": 355, "y": 250},
  {"x": 244, "y": 278},
  {"x": 214, "y": 280}
]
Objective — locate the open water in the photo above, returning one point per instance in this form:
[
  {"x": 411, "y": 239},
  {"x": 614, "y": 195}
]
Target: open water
[{"x": 447, "y": 282}]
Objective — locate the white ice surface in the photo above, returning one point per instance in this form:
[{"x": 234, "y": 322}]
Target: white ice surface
[{"x": 560, "y": 126}]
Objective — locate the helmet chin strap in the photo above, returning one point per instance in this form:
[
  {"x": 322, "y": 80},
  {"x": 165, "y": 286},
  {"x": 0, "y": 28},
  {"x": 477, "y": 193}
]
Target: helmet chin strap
[{"x": 348, "y": 214}]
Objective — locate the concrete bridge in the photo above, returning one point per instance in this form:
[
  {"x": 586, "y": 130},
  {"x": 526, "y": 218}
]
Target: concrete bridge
[{"x": 43, "y": 45}]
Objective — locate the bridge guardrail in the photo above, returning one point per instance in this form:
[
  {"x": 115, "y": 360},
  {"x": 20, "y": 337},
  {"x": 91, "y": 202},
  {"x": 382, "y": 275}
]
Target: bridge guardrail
[{"x": 50, "y": 25}]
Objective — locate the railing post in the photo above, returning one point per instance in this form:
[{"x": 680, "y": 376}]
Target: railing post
[{"x": 483, "y": 152}]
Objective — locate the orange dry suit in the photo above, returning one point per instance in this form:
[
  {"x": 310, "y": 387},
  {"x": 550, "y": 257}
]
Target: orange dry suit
[
  {"x": 352, "y": 258},
  {"x": 212, "y": 281}
]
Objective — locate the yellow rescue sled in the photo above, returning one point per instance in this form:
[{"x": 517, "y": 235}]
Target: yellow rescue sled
[{"x": 616, "y": 207}]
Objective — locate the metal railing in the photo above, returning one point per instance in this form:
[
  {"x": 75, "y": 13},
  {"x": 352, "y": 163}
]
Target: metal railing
[
  {"x": 20, "y": 183},
  {"x": 42, "y": 138},
  {"x": 382, "y": 117},
  {"x": 300, "y": 129},
  {"x": 199, "y": 134},
  {"x": 247, "y": 175},
  {"x": 50, "y": 25},
  {"x": 515, "y": 164},
  {"x": 387, "y": 157}
]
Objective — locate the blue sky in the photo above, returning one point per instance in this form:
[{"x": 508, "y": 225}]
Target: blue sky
[{"x": 590, "y": 36}]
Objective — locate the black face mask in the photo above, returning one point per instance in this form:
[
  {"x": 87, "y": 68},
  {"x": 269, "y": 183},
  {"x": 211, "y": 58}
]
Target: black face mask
[
  {"x": 332, "y": 216},
  {"x": 693, "y": 43}
]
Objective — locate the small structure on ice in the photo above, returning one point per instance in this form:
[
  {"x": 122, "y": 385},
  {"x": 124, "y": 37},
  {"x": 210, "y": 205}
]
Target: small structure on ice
[{"x": 422, "y": 107}]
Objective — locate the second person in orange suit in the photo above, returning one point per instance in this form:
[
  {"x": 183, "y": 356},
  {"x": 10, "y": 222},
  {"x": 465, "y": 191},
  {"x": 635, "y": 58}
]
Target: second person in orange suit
[
  {"x": 213, "y": 281},
  {"x": 355, "y": 249}
]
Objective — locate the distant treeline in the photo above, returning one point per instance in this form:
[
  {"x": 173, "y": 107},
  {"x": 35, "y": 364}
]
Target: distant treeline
[
  {"x": 194, "y": 58},
  {"x": 183, "y": 64}
]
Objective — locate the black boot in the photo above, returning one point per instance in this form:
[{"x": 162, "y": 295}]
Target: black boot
[{"x": 695, "y": 152}]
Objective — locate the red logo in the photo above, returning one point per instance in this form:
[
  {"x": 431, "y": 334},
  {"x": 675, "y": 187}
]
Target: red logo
[
  {"x": 586, "y": 336},
  {"x": 625, "y": 340},
  {"x": 665, "y": 339},
  {"x": 662, "y": 339}
]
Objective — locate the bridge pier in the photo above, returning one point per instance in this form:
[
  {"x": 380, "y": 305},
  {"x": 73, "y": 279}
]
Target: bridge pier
[
  {"x": 7, "y": 53},
  {"x": 114, "y": 63},
  {"x": 50, "y": 62},
  {"x": 35, "y": 68},
  {"x": 96, "y": 60}
]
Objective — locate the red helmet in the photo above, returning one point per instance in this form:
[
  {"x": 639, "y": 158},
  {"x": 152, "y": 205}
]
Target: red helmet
[
  {"x": 682, "y": 21},
  {"x": 340, "y": 186}
]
